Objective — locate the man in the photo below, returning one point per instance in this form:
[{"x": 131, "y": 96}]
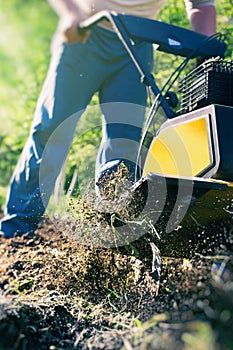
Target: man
[{"x": 81, "y": 66}]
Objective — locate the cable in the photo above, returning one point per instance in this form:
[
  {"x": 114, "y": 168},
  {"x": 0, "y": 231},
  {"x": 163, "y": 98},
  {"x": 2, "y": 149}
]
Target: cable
[{"x": 178, "y": 71}]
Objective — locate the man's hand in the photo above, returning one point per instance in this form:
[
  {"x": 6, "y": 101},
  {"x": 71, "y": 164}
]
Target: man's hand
[
  {"x": 71, "y": 33},
  {"x": 70, "y": 15}
]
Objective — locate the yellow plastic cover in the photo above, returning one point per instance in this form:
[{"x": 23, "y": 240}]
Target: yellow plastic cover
[{"x": 184, "y": 149}]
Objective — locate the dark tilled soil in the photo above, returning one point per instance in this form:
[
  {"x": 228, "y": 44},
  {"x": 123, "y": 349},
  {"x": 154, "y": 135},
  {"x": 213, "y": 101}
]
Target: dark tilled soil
[{"x": 56, "y": 293}]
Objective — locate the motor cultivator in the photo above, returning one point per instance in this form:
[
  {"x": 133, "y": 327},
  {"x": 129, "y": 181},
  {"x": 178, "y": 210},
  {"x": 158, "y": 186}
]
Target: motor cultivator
[{"x": 185, "y": 170}]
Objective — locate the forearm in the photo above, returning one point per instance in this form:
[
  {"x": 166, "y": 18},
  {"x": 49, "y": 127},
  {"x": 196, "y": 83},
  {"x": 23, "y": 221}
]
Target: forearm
[
  {"x": 65, "y": 7},
  {"x": 203, "y": 19}
]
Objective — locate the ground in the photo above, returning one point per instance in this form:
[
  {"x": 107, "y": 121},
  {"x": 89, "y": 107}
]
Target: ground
[{"x": 56, "y": 293}]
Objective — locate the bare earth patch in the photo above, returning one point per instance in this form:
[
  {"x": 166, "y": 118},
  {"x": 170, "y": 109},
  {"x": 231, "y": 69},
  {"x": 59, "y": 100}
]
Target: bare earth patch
[{"x": 57, "y": 294}]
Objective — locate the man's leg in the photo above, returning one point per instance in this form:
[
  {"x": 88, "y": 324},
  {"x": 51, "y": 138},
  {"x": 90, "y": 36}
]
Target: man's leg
[
  {"x": 123, "y": 102},
  {"x": 69, "y": 86}
]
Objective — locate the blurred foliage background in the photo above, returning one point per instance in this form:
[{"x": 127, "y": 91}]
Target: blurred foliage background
[{"x": 26, "y": 30}]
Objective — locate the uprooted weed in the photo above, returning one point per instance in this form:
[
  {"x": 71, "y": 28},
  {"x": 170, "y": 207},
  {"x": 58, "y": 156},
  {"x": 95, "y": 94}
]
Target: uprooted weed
[{"x": 109, "y": 220}]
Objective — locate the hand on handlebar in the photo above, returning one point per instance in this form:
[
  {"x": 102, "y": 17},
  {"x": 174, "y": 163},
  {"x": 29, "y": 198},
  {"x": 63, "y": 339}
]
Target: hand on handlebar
[{"x": 71, "y": 32}]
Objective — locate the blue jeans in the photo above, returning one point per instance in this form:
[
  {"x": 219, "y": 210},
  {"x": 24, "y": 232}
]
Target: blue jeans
[{"x": 76, "y": 73}]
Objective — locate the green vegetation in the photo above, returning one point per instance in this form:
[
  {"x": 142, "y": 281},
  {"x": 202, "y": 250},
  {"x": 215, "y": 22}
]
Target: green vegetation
[
  {"x": 26, "y": 31},
  {"x": 26, "y": 28}
]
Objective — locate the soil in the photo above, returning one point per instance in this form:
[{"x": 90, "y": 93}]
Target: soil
[{"x": 56, "y": 293}]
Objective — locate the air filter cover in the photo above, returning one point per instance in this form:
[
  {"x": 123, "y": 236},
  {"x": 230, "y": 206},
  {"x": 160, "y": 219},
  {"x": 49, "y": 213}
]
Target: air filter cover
[{"x": 209, "y": 83}]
